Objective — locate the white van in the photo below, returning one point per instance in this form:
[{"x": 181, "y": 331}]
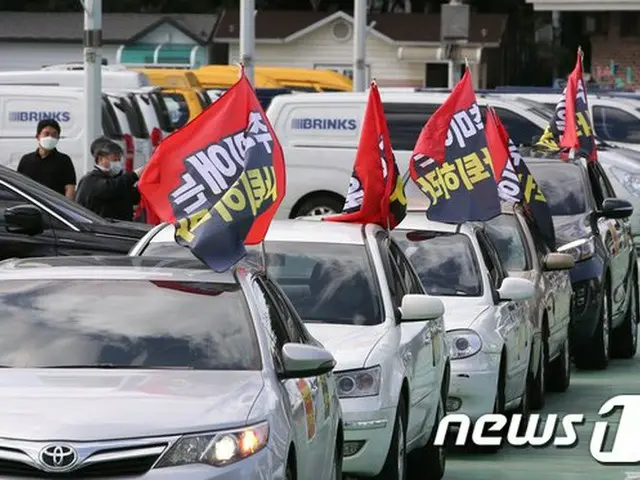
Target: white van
[
  {"x": 22, "y": 107},
  {"x": 319, "y": 133},
  {"x": 615, "y": 120},
  {"x": 136, "y": 137},
  {"x": 75, "y": 78}
]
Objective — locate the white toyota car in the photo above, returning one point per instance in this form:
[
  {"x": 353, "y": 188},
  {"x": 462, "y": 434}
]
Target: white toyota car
[
  {"x": 486, "y": 318},
  {"x": 359, "y": 296}
]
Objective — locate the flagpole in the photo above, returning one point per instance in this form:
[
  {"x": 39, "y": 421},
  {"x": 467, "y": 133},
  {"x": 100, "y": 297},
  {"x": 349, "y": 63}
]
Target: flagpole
[{"x": 263, "y": 254}]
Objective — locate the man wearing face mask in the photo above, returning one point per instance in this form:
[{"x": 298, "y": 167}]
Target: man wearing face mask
[
  {"x": 47, "y": 165},
  {"x": 107, "y": 190}
]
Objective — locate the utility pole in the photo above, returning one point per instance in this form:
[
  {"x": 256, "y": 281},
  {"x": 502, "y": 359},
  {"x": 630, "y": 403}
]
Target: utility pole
[
  {"x": 92, "y": 76},
  {"x": 359, "y": 45},
  {"x": 247, "y": 36}
]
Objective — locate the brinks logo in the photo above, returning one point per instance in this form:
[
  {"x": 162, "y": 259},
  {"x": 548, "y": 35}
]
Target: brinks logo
[
  {"x": 348, "y": 124},
  {"x": 37, "y": 115}
]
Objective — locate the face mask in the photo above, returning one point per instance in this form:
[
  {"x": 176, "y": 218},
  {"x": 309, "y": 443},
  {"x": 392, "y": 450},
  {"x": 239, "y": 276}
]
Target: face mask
[
  {"x": 115, "y": 168},
  {"x": 48, "y": 143}
]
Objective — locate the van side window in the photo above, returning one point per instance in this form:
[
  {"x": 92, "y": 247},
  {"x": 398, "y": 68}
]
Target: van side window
[{"x": 405, "y": 122}]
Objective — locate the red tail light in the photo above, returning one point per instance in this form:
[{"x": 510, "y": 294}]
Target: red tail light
[
  {"x": 130, "y": 152},
  {"x": 156, "y": 137}
]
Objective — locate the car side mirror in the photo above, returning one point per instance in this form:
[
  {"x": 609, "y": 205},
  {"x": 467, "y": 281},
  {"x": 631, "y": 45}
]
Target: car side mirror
[
  {"x": 300, "y": 361},
  {"x": 558, "y": 261},
  {"x": 25, "y": 219},
  {"x": 516, "y": 289},
  {"x": 416, "y": 308},
  {"x": 615, "y": 208}
]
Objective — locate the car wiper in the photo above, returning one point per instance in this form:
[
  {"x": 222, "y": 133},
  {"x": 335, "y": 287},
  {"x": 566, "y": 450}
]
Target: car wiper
[{"x": 111, "y": 366}]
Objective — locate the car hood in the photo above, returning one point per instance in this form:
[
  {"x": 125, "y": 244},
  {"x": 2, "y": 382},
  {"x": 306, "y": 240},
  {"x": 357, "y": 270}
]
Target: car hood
[
  {"x": 118, "y": 228},
  {"x": 350, "y": 345},
  {"x": 569, "y": 228},
  {"x": 84, "y": 405},
  {"x": 619, "y": 156},
  {"x": 462, "y": 312}
]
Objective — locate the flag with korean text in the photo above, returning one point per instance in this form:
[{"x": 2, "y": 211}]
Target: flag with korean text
[
  {"x": 376, "y": 191},
  {"x": 571, "y": 127},
  {"x": 451, "y": 162},
  {"x": 219, "y": 179},
  {"x": 515, "y": 181}
]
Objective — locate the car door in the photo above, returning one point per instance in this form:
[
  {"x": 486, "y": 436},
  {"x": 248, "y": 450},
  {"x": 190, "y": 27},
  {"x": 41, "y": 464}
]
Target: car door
[
  {"x": 612, "y": 232},
  {"x": 14, "y": 244},
  {"x": 511, "y": 323},
  {"x": 415, "y": 347},
  {"x": 318, "y": 385}
]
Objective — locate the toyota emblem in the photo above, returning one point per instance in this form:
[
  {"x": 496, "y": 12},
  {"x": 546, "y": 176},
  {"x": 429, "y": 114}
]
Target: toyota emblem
[{"x": 58, "y": 457}]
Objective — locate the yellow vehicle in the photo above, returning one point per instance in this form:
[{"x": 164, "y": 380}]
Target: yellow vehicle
[
  {"x": 223, "y": 76},
  {"x": 170, "y": 77},
  {"x": 308, "y": 79},
  {"x": 185, "y": 104}
]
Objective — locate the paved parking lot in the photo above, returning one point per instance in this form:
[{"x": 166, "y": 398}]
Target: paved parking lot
[{"x": 588, "y": 391}]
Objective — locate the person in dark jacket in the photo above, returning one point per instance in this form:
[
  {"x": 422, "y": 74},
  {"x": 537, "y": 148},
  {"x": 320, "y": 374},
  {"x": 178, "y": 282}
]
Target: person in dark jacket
[{"x": 107, "y": 190}]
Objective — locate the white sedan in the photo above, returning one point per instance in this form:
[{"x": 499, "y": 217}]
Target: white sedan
[
  {"x": 358, "y": 295},
  {"x": 486, "y": 320}
]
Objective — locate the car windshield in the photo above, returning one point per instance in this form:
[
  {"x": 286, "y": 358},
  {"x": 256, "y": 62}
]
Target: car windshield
[
  {"x": 327, "y": 283},
  {"x": 445, "y": 262},
  {"x": 68, "y": 209},
  {"x": 506, "y": 236},
  {"x": 562, "y": 185},
  {"x": 158, "y": 324}
]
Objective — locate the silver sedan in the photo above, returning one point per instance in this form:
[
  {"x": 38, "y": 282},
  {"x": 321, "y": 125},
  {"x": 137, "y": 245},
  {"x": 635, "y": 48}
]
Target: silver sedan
[{"x": 156, "y": 369}]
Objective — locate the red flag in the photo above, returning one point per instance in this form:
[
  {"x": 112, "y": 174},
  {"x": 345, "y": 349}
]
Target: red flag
[
  {"x": 451, "y": 162},
  {"x": 220, "y": 178},
  {"x": 376, "y": 191},
  {"x": 497, "y": 141}
]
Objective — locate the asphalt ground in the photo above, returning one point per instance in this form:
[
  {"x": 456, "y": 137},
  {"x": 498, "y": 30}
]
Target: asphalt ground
[{"x": 588, "y": 391}]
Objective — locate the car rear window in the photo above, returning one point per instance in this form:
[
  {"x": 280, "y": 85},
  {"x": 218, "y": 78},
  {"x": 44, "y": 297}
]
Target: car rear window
[
  {"x": 446, "y": 262},
  {"x": 183, "y": 325},
  {"x": 563, "y": 186}
]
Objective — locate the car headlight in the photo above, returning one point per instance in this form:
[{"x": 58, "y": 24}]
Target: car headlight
[
  {"x": 217, "y": 449},
  {"x": 582, "y": 249},
  {"x": 629, "y": 180},
  {"x": 359, "y": 383},
  {"x": 463, "y": 343}
]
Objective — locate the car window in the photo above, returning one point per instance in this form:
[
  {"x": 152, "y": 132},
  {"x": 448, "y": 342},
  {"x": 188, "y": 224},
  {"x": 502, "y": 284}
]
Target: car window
[
  {"x": 327, "y": 283},
  {"x": 563, "y": 186},
  {"x": 137, "y": 128},
  {"x": 506, "y": 236},
  {"x": 284, "y": 312},
  {"x": 605, "y": 184},
  {"x": 406, "y": 121},
  {"x": 521, "y": 130},
  {"x": 110, "y": 123},
  {"x": 616, "y": 125},
  {"x": 445, "y": 262},
  {"x": 491, "y": 262},
  {"x": 7, "y": 195},
  {"x": 185, "y": 325},
  {"x": 541, "y": 246},
  {"x": 138, "y": 115},
  {"x": 162, "y": 111},
  {"x": 411, "y": 283},
  {"x": 394, "y": 279},
  {"x": 273, "y": 324},
  {"x": 178, "y": 109}
]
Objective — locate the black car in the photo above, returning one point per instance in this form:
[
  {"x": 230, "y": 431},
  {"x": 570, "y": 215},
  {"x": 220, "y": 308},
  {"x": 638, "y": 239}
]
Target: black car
[
  {"x": 36, "y": 221},
  {"x": 593, "y": 225}
]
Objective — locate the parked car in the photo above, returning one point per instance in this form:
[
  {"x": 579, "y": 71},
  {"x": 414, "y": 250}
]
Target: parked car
[
  {"x": 525, "y": 254},
  {"x": 357, "y": 293},
  {"x": 487, "y": 322},
  {"x": 199, "y": 375},
  {"x": 592, "y": 224},
  {"x": 35, "y": 221}
]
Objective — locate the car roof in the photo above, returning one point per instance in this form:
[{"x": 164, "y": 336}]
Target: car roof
[
  {"x": 111, "y": 267},
  {"x": 297, "y": 230},
  {"x": 416, "y": 220}
]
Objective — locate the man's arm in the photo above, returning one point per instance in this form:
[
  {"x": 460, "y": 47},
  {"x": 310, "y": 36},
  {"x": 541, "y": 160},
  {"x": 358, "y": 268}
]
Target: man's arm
[{"x": 69, "y": 179}]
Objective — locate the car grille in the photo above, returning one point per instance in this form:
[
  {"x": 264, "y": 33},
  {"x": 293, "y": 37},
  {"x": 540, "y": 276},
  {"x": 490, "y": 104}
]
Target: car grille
[{"x": 108, "y": 469}]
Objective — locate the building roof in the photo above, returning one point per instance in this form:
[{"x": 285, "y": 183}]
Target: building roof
[
  {"x": 116, "y": 27},
  {"x": 284, "y": 26}
]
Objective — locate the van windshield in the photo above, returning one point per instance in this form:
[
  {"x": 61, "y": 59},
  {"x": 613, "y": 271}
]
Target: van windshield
[{"x": 138, "y": 129}]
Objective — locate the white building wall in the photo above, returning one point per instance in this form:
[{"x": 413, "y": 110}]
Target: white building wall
[
  {"x": 34, "y": 55},
  {"x": 320, "y": 48},
  {"x": 166, "y": 33}
]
